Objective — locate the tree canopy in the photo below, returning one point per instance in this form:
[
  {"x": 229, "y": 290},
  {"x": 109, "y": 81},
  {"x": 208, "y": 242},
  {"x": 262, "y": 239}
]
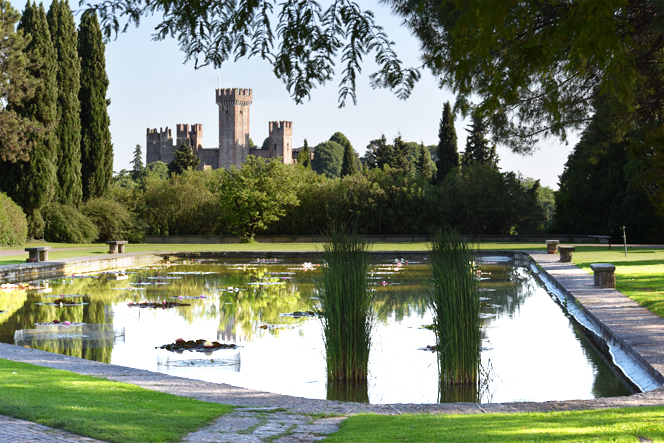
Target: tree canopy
[
  {"x": 301, "y": 39},
  {"x": 539, "y": 66},
  {"x": 328, "y": 157},
  {"x": 16, "y": 131}
]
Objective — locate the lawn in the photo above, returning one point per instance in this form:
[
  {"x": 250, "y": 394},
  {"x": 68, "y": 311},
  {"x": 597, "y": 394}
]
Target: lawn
[
  {"x": 99, "y": 408},
  {"x": 86, "y": 250},
  {"x": 640, "y": 275},
  {"x": 607, "y": 425}
]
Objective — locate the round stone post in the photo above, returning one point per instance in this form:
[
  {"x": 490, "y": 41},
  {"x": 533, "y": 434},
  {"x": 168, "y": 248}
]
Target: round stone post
[{"x": 552, "y": 246}]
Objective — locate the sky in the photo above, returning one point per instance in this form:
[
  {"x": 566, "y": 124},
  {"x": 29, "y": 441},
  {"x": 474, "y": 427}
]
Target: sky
[{"x": 152, "y": 87}]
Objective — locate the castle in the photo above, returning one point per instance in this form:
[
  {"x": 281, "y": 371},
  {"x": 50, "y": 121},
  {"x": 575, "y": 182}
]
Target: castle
[{"x": 233, "y": 136}]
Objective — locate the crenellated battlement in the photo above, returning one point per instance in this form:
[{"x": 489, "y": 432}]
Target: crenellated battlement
[
  {"x": 279, "y": 127},
  {"x": 234, "y": 95}
]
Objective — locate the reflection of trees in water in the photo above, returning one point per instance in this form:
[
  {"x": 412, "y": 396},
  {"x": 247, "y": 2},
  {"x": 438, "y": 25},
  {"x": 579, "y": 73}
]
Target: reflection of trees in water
[
  {"x": 402, "y": 300},
  {"x": 512, "y": 287}
]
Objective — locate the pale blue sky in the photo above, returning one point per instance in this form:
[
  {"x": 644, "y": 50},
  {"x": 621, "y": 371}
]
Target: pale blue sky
[{"x": 151, "y": 87}]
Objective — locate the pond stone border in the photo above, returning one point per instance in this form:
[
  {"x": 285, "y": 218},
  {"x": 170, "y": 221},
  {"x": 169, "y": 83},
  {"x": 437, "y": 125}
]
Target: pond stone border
[{"x": 622, "y": 319}]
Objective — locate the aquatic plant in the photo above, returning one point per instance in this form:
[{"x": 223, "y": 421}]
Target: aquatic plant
[
  {"x": 454, "y": 300},
  {"x": 346, "y": 299}
]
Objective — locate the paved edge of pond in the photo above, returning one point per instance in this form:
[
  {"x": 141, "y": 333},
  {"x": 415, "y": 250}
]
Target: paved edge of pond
[{"x": 643, "y": 331}]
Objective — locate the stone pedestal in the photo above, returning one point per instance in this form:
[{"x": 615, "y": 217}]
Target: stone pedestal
[
  {"x": 566, "y": 253},
  {"x": 552, "y": 246},
  {"x": 116, "y": 246},
  {"x": 38, "y": 253},
  {"x": 604, "y": 274}
]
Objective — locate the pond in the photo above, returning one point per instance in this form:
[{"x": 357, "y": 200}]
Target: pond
[{"x": 531, "y": 350}]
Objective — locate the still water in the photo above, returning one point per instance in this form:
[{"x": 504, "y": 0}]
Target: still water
[{"x": 530, "y": 349}]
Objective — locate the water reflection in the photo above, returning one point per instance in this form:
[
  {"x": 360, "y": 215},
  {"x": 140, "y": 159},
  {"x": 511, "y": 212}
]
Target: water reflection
[{"x": 527, "y": 341}]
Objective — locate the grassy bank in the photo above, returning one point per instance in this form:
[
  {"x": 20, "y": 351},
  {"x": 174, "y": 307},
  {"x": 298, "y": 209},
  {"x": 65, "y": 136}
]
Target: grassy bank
[
  {"x": 614, "y": 425},
  {"x": 640, "y": 275},
  {"x": 99, "y": 408},
  {"x": 67, "y": 250}
]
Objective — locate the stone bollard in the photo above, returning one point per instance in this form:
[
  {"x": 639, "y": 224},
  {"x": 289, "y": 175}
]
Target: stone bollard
[
  {"x": 552, "y": 246},
  {"x": 604, "y": 275},
  {"x": 566, "y": 253}
]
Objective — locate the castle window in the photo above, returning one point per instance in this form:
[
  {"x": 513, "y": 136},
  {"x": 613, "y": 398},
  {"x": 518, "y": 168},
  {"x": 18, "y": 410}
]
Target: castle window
[{"x": 275, "y": 146}]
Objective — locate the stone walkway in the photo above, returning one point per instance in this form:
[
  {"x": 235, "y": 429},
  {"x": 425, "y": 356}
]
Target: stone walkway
[{"x": 264, "y": 416}]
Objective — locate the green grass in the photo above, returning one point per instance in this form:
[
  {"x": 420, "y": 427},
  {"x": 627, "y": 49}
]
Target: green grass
[
  {"x": 608, "y": 425},
  {"x": 640, "y": 275},
  {"x": 99, "y": 408}
]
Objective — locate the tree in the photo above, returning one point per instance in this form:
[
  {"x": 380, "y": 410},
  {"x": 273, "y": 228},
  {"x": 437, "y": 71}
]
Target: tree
[
  {"x": 424, "y": 166},
  {"x": 348, "y": 166},
  {"x": 448, "y": 155},
  {"x": 184, "y": 160},
  {"x": 477, "y": 146},
  {"x": 32, "y": 183},
  {"x": 597, "y": 190},
  {"x": 96, "y": 148},
  {"x": 266, "y": 143},
  {"x": 68, "y": 129},
  {"x": 538, "y": 67},
  {"x": 17, "y": 131},
  {"x": 255, "y": 195},
  {"x": 137, "y": 162},
  {"x": 304, "y": 157},
  {"x": 302, "y": 46},
  {"x": 384, "y": 153},
  {"x": 400, "y": 158},
  {"x": 328, "y": 159}
]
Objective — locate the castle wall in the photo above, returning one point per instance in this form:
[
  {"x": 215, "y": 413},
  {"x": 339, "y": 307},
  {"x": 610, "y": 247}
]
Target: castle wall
[
  {"x": 209, "y": 157},
  {"x": 265, "y": 153},
  {"x": 233, "y": 125}
]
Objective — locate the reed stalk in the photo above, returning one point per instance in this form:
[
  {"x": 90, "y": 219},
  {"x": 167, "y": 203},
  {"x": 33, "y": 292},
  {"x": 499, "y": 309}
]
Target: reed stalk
[
  {"x": 454, "y": 300},
  {"x": 346, "y": 306}
]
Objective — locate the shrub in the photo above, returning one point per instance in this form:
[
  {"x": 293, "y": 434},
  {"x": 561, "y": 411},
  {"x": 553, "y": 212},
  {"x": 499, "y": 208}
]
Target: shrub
[
  {"x": 112, "y": 219},
  {"x": 13, "y": 224},
  {"x": 66, "y": 224}
]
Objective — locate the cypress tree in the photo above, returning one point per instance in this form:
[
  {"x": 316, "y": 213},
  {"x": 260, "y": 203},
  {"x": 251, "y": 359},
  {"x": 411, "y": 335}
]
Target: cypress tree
[
  {"x": 348, "y": 166},
  {"x": 32, "y": 183},
  {"x": 477, "y": 146},
  {"x": 96, "y": 148},
  {"x": 68, "y": 129},
  {"x": 424, "y": 163},
  {"x": 448, "y": 155},
  {"x": 304, "y": 158}
]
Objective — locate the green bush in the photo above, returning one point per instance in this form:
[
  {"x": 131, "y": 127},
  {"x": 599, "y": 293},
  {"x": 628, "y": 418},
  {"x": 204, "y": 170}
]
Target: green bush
[
  {"x": 112, "y": 219},
  {"x": 66, "y": 224},
  {"x": 13, "y": 224}
]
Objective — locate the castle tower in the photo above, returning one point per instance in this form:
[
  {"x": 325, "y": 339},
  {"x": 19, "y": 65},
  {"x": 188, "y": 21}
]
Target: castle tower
[
  {"x": 281, "y": 140},
  {"x": 159, "y": 146},
  {"x": 233, "y": 125},
  {"x": 193, "y": 137}
]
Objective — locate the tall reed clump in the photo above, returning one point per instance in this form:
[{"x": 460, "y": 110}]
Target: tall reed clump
[
  {"x": 454, "y": 299},
  {"x": 346, "y": 306}
]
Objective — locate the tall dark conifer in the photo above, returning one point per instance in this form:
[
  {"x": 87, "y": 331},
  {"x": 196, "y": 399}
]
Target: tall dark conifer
[
  {"x": 478, "y": 148},
  {"x": 384, "y": 153},
  {"x": 68, "y": 130},
  {"x": 348, "y": 166},
  {"x": 400, "y": 160},
  {"x": 448, "y": 155},
  {"x": 304, "y": 157},
  {"x": 32, "y": 183},
  {"x": 96, "y": 148},
  {"x": 423, "y": 165}
]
